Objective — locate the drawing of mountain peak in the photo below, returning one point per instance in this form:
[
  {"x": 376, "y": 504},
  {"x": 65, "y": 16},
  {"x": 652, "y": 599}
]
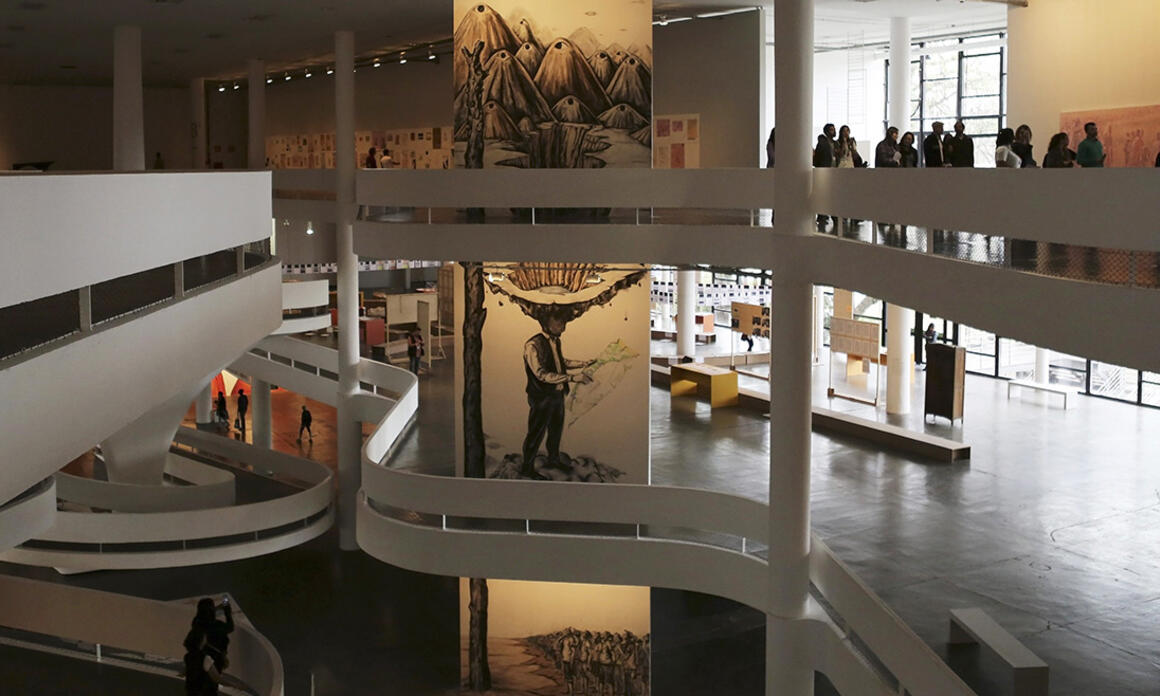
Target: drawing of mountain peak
[
  {"x": 585, "y": 40},
  {"x": 481, "y": 23},
  {"x": 509, "y": 84},
  {"x": 571, "y": 110},
  {"x": 603, "y": 67},
  {"x": 530, "y": 56},
  {"x": 632, "y": 84},
  {"x": 642, "y": 52},
  {"x": 526, "y": 34},
  {"x": 623, "y": 116},
  {"x": 498, "y": 125},
  {"x": 564, "y": 72}
]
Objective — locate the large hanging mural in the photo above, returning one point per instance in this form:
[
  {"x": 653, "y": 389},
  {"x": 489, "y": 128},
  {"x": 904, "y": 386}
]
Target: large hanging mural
[
  {"x": 554, "y": 376},
  {"x": 563, "y": 85}
]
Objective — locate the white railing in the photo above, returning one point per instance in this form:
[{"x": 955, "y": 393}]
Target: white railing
[
  {"x": 79, "y": 541},
  {"x": 211, "y": 487},
  {"x": 29, "y": 514},
  {"x": 153, "y": 630}
]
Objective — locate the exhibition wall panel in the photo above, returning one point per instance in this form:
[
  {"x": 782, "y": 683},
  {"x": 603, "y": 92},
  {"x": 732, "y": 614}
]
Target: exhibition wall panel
[
  {"x": 712, "y": 67},
  {"x": 1110, "y": 59},
  {"x": 71, "y": 126}
]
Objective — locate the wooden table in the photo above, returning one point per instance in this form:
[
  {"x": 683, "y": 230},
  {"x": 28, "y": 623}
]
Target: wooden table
[{"x": 719, "y": 384}]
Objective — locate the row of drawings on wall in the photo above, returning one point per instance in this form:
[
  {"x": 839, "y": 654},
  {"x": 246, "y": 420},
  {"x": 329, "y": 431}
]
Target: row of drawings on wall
[
  {"x": 409, "y": 148},
  {"x": 677, "y": 142},
  {"x": 554, "y": 375},
  {"x": 553, "y": 88}
]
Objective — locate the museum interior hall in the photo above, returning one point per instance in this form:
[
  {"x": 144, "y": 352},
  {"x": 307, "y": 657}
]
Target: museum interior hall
[{"x": 532, "y": 348}]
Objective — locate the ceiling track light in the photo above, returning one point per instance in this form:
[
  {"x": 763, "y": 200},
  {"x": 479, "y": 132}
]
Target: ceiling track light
[
  {"x": 269, "y": 80},
  {"x": 402, "y": 57},
  {"x": 309, "y": 74},
  {"x": 286, "y": 77},
  {"x": 430, "y": 53},
  {"x": 236, "y": 85},
  {"x": 221, "y": 88},
  {"x": 377, "y": 63},
  {"x": 330, "y": 71}
]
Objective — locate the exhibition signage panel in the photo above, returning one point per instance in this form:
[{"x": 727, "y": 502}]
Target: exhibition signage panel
[
  {"x": 750, "y": 319},
  {"x": 677, "y": 142}
]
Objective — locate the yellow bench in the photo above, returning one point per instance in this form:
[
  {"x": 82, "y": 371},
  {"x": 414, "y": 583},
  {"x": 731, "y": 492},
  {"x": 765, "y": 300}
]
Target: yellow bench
[{"x": 719, "y": 384}]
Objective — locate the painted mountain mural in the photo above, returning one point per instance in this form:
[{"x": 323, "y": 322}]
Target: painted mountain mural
[{"x": 559, "y": 90}]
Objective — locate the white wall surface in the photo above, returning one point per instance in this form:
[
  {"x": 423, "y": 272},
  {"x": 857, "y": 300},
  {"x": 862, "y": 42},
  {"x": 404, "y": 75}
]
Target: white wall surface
[
  {"x": 1071, "y": 55},
  {"x": 62, "y": 232},
  {"x": 712, "y": 67},
  {"x": 73, "y": 126}
]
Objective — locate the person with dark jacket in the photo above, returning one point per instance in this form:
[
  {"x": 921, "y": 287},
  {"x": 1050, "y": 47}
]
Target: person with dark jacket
[
  {"x": 908, "y": 151},
  {"x": 223, "y": 411},
  {"x": 887, "y": 154},
  {"x": 1022, "y": 147},
  {"x": 932, "y": 147},
  {"x": 824, "y": 157},
  {"x": 206, "y": 646},
  {"x": 304, "y": 422},
  {"x": 1058, "y": 155},
  {"x": 959, "y": 149},
  {"x": 243, "y": 406}
]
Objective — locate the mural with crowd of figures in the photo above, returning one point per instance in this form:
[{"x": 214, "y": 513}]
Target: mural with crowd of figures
[
  {"x": 553, "y": 84},
  {"x": 554, "y": 377},
  {"x": 1131, "y": 136}
]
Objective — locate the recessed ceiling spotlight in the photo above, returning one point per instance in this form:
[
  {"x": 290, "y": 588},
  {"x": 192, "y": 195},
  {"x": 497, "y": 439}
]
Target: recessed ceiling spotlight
[
  {"x": 221, "y": 88},
  {"x": 269, "y": 80},
  {"x": 402, "y": 57},
  {"x": 377, "y": 63},
  {"x": 287, "y": 77},
  {"x": 308, "y": 73},
  {"x": 236, "y": 85},
  {"x": 330, "y": 71}
]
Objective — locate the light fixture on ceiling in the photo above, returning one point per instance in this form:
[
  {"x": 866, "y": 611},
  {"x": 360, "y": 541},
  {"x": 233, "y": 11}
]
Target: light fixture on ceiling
[
  {"x": 221, "y": 88},
  {"x": 309, "y": 74},
  {"x": 269, "y": 80},
  {"x": 286, "y": 77},
  {"x": 330, "y": 71},
  {"x": 377, "y": 63},
  {"x": 309, "y": 227},
  {"x": 430, "y": 53},
  {"x": 402, "y": 57},
  {"x": 236, "y": 85}
]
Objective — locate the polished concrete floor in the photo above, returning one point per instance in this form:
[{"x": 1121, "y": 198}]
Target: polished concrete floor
[{"x": 1052, "y": 527}]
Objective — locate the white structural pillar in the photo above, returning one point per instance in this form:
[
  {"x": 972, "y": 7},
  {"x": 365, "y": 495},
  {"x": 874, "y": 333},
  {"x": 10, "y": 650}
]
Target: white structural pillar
[
  {"x": 1042, "y": 366},
  {"x": 686, "y": 311},
  {"x": 819, "y": 323},
  {"x": 899, "y": 320},
  {"x": 256, "y": 128},
  {"x": 899, "y": 78},
  {"x": 349, "y": 429},
  {"x": 788, "y": 669},
  {"x": 128, "y": 104},
  {"x": 197, "y": 122},
  {"x": 262, "y": 429},
  {"x": 899, "y": 347},
  {"x": 204, "y": 404}
]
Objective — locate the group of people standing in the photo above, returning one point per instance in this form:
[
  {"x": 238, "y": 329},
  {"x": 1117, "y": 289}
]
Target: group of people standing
[
  {"x": 598, "y": 663},
  {"x": 206, "y": 646}
]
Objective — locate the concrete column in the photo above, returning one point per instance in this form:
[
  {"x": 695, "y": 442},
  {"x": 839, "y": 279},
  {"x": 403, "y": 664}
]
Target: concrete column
[
  {"x": 204, "y": 404},
  {"x": 349, "y": 429},
  {"x": 128, "y": 102},
  {"x": 1042, "y": 366},
  {"x": 899, "y": 107},
  {"x": 686, "y": 309},
  {"x": 262, "y": 428},
  {"x": 899, "y": 346},
  {"x": 197, "y": 122},
  {"x": 137, "y": 453},
  {"x": 786, "y": 673},
  {"x": 819, "y": 324},
  {"x": 256, "y": 130}
]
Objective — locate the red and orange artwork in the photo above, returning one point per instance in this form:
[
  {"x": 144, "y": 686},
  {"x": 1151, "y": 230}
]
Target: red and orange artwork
[
  {"x": 662, "y": 127},
  {"x": 1131, "y": 136},
  {"x": 678, "y": 156}
]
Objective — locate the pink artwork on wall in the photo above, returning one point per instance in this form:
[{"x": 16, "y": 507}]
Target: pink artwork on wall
[
  {"x": 678, "y": 156},
  {"x": 678, "y": 126},
  {"x": 1131, "y": 136},
  {"x": 663, "y": 128}
]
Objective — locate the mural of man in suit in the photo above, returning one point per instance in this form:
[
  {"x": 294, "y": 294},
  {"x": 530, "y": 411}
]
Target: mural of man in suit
[{"x": 548, "y": 383}]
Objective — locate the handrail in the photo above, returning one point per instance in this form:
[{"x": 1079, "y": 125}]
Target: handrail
[
  {"x": 130, "y": 623},
  {"x": 211, "y": 487},
  {"x": 28, "y": 514}
]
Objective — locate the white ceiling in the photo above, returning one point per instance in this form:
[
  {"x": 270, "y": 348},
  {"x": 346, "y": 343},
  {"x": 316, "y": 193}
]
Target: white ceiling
[{"x": 183, "y": 39}]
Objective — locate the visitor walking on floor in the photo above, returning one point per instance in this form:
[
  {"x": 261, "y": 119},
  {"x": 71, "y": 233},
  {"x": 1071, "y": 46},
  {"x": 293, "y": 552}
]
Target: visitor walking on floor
[
  {"x": 959, "y": 148},
  {"x": 1005, "y": 157},
  {"x": 1058, "y": 155},
  {"x": 223, "y": 412},
  {"x": 1090, "y": 152},
  {"x": 304, "y": 421},
  {"x": 243, "y": 406},
  {"x": 1023, "y": 148},
  {"x": 415, "y": 349}
]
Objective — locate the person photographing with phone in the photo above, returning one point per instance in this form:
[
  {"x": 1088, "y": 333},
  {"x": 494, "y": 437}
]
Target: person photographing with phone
[{"x": 206, "y": 646}]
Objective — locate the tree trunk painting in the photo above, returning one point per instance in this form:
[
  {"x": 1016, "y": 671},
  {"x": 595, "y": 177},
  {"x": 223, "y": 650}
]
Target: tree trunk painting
[
  {"x": 473, "y": 157},
  {"x": 479, "y": 674}
]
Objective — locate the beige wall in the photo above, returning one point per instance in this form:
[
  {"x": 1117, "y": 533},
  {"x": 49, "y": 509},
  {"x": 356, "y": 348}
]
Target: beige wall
[{"x": 1070, "y": 55}]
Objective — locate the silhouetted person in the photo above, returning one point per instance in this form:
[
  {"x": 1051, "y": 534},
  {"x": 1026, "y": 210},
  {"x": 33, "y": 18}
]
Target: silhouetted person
[
  {"x": 886, "y": 154},
  {"x": 1023, "y": 148},
  {"x": 1090, "y": 152},
  {"x": 548, "y": 382},
  {"x": 304, "y": 421},
  {"x": 371, "y": 162},
  {"x": 769, "y": 148},
  {"x": 210, "y": 637},
  {"x": 824, "y": 155},
  {"x": 414, "y": 349},
  {"x": 1058, "y": 155},
  {"x": 223, "y": 412},
  {"x": 243, "y": 406},
  {"x": 932, "y": 147},
  {"x": 959, "y": 148},
  {"x": 1005, "y": 157},
  {"x": 749, "y": 341},
  {"x": 158, "y": 162},
  {"x": 909, "y": 154}
]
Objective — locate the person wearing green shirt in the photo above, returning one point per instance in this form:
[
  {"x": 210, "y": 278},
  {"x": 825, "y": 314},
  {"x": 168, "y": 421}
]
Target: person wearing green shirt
[{"x": 1090, "y": 152}]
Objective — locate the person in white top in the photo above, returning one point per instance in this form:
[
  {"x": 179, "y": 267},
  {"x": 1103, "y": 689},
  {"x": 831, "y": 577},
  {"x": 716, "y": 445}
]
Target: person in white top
[
  {"x": 1005, "y": 156},
  {"x": 386, "y": 161}
]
